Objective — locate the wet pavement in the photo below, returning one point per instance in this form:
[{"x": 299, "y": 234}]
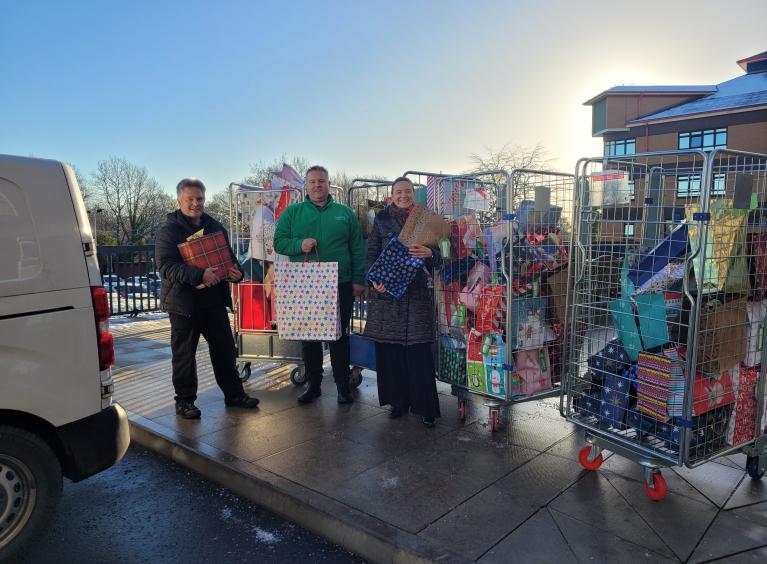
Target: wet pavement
[
  {"x": 149, "y": 509},
  {"x": 457, "y": 492}
]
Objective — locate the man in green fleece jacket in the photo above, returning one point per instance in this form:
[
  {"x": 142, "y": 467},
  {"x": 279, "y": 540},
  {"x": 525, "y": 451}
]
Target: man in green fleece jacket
[{"x": 333, "y": 229}]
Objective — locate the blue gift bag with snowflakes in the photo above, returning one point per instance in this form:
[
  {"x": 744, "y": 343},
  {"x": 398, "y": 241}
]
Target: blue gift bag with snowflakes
[{"x": 395, "y": 268}]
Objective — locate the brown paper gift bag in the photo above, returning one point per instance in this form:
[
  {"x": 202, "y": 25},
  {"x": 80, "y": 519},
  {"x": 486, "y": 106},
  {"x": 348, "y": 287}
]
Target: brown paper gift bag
[
  {"x": 722, "y": 336},
  {"x": 423, "y": 227}
]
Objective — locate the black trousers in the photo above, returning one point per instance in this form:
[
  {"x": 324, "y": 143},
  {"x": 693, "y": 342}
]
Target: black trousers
[
  {"x": 213, "y": 324},
  {"x": 339, "y": 350},
  {"x": 406, "y": 378}
]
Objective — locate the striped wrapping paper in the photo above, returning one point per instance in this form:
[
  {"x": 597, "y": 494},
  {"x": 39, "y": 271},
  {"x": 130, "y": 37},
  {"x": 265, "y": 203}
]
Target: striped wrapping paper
[
  {"x": 431, "y": 190},
  {"x": 653, "y": 376}
]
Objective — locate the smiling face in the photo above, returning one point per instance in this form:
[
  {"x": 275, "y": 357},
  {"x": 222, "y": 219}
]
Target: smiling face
[
  {"x": 317, "y": 187},
  {"x": 191, "y": 202},
  {"x": 402, "y": 194}
]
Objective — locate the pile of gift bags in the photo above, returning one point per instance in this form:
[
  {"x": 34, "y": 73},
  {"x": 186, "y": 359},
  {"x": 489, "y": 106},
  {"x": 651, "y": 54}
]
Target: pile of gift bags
[
  {"x": 640, "y": 378},
  {"x": 507, "y": 328}
]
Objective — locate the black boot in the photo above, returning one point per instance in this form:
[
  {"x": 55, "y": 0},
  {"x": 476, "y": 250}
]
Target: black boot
[
  {"x": 310, "y": 394},
  {"x": 187, "y": 409}
]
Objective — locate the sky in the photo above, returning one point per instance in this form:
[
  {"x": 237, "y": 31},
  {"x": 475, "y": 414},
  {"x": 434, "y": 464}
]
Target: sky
[{"x": 190, "y": 88}]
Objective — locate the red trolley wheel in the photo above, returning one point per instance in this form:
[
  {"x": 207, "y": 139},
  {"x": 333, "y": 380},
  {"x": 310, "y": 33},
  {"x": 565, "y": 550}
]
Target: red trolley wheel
[
  {"x": 462, "y": 409},
  {"x": 583, "y": 458},
  {"x": 658, "y": 490},
  {"x": 495, "y": 419}
]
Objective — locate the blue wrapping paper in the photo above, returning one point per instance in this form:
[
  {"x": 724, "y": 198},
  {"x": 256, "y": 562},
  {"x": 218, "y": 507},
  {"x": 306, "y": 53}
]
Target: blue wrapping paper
[{"x": 395, "y": 268}]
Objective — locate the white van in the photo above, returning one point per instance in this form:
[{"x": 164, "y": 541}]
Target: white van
[{"x": 56, "y": 411}]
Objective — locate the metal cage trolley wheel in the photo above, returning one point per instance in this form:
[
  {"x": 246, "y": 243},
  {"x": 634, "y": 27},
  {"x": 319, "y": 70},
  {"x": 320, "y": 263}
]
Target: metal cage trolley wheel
[
  {"x": 500, "y": 292},
  {"x": 253, "y": 214},
  {"x": 666, "y": 363}
]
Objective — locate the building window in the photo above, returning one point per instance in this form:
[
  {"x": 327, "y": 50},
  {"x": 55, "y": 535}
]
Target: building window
[
  {"x": 631, "y": 189},
  {"x": 705, "y": 139},
  {"x": 689, "y": 185},
  {"x": 620, "y": 148},
  {"x": 628, "y": 230}
]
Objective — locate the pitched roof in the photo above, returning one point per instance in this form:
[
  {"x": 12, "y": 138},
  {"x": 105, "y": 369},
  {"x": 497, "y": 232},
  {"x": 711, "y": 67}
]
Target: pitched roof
[
  {"x": 676, "y": 89},
  {"x": 745, "y": 91}
]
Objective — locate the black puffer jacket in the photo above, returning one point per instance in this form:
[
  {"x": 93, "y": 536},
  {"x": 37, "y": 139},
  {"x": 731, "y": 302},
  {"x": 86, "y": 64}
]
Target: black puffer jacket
[
  {"x": 178, "y": 294},
  {"x": 408, "y": 321}
]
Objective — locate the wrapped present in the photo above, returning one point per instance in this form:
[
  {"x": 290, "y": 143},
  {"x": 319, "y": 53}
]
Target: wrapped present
[
  {"x": 612, "y": 359},
  {"x": 423, "y": 227},
  {"x": 725, "y": 266},
  {"x": 475, "y": 283},
  {"x": 756, "y": 313},
  {"x": 529, "y": 328},
  {"x": 494, "y": 360},
  {"x": 615, "y": 399},
  {"x": 666, "y": 278},
  {"x": 208, "y": 251},
  {"x": 609, "y": 188},
  {"x": 464, "y": 233},
  {"x": 452, "y": 364},
  {"x": 491, "y": 312},
  {"x": 475, "y": 369},
  {"x": 534, "y": 369},
  {"x": 395, "y": 268},
  {"x": 253, "y": 308},
  {"x": 707, "y": 435},
  {"x": 307, "y": 301},
  {"x": 362, "y": 351},
  {"x": 588, "y": 402},
  {"x": 547, "y": 248},
  {"x": 557, "y": 293},
  {"x": 740, "y": 428},
  {"x": 648, "y": 267}
]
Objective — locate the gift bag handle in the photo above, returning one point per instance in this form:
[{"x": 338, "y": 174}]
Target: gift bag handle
[{"x": 317, "y": 252}]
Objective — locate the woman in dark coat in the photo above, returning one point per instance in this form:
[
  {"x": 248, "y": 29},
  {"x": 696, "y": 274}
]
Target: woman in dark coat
[{"x": 403, "y": 329}]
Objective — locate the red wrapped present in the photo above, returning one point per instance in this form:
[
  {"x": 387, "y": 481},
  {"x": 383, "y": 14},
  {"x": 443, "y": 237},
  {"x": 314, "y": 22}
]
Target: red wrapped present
[
  {"x": 254, "y": 309},
  {"x": 208, "y": 251},
  {"x": 740, "y": 428}
]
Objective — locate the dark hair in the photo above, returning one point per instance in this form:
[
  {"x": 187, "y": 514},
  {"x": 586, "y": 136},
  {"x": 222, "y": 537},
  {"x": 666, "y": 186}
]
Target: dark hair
[
  {"x": 402, "y": 179},
  {"x": 189, "y": 182},
  {"x": 317, "y": 168}
]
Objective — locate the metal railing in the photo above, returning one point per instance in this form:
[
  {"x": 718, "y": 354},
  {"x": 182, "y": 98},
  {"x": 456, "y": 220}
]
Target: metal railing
[{"x": 130, "y": 277}]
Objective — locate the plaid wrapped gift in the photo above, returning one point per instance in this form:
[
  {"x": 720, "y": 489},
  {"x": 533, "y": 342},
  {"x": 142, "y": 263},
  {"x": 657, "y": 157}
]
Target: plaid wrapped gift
[
  {"x": 395, "y": 268},
  {"x": 208, "y": 251},
  {"x": 307, "y": 301}
]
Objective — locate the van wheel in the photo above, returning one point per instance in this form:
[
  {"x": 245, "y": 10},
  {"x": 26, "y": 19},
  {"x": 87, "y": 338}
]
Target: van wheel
[{"x": 30, "y": 487}]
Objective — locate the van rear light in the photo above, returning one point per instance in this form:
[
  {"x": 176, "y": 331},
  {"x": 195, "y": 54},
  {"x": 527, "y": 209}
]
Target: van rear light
[
  {"x": 105, "y": 341},
  {"x": 106, "y": 350}
]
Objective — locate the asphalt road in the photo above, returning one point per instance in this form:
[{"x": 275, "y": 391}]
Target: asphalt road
[{"x": 149, "y": 509}]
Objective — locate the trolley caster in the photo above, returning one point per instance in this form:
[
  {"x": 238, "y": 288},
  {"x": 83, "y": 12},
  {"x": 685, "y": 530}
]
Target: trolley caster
[
  {"x": 463, "y": 409},
  {"x": 298, "y": 376},
  {"x": 495, "y": 419},
  {"x": 590, "y": 457},
  {"x": 658, "y": 488},
  {"x": 754, "y": 469},
  {"x": 355, "y": 377},
  {"x": 245, "y": 372}
]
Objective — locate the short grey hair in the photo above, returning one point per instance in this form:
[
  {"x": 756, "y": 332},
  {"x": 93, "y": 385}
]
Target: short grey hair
[
  {"x": 316, "y": 168},
  {"x": 189, "y": 182}
]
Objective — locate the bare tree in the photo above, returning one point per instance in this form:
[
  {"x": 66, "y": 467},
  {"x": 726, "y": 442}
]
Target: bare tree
[
  {"x": 217, "y": 206},
  {"x": 509, "y": 157},
  {"x": 134, "y": 199}
]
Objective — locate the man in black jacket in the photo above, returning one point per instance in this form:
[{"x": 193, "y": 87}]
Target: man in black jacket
[{"x": 196, "y": 301}]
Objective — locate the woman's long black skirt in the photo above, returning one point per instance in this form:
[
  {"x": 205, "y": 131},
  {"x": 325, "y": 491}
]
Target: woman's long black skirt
[{"x": 406, "y": 378}]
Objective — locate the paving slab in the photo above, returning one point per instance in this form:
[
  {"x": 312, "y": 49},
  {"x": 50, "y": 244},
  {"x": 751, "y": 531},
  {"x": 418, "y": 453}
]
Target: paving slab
[
  {"x": 395, "y": 491},
  {"x": 503, "y": 506}
]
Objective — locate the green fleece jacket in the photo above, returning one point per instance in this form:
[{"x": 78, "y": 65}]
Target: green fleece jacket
[{"x": 337, "y": 231}]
